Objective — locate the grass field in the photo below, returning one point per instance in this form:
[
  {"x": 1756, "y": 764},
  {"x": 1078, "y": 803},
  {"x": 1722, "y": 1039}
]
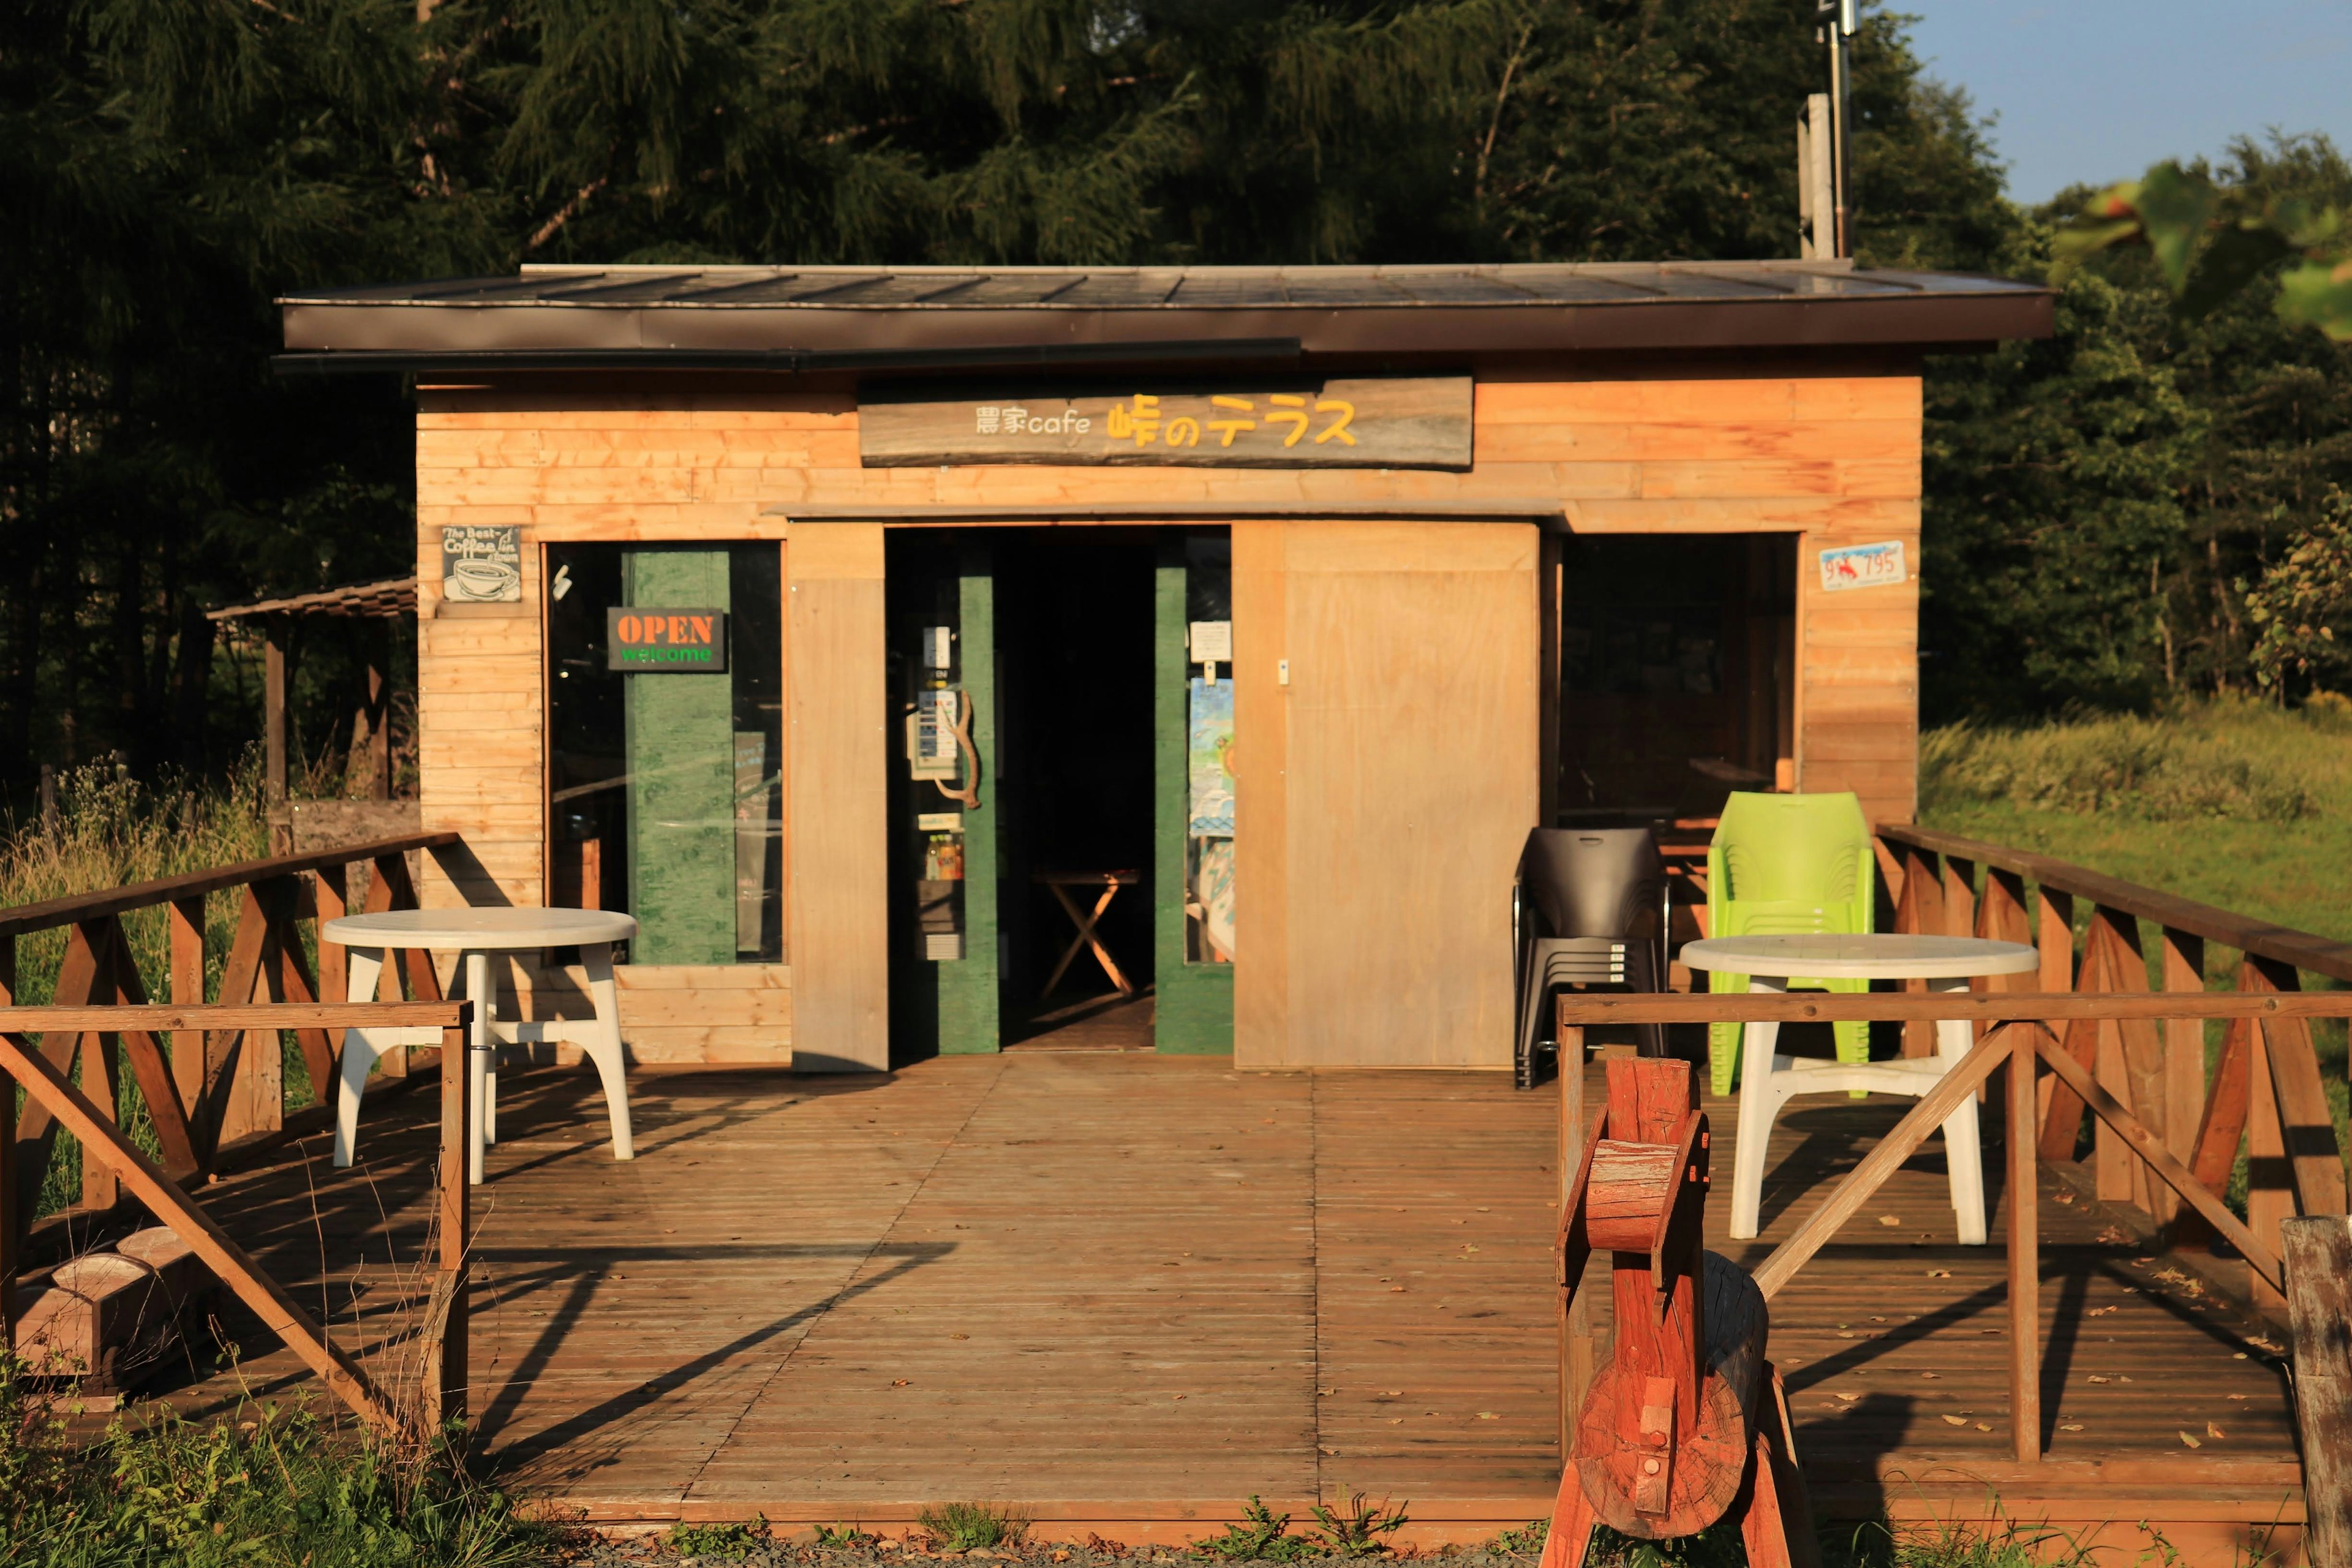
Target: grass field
[{"x": 2236, "y": 804}]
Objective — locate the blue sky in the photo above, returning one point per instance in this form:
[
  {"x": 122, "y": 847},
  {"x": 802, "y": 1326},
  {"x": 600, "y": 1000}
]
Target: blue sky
[{"x": 2094, "y": 90}]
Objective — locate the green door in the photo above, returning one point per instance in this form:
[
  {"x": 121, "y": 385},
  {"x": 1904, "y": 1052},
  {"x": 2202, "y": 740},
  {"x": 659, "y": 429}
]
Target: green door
[
  {"x": 1192, "y": 930},
  {"x": 945, "y": 817}
]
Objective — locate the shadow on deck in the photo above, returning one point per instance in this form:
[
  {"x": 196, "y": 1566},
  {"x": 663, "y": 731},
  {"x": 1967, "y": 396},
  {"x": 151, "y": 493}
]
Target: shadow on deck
[{"x": 1128, "y": 1291}]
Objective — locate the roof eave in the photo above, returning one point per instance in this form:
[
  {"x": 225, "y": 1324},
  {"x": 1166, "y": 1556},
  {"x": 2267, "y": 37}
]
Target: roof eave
[{"x": 427, "y": 335}]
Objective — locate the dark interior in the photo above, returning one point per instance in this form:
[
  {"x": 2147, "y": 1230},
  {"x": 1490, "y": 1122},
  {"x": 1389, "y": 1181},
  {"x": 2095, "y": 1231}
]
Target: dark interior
[
  {"x": 1074, "y": 632},
  {"x": 1676, "y": 673}
]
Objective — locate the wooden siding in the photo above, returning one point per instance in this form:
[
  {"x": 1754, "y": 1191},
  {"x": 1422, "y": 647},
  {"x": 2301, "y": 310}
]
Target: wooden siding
[{"x": 1832, "y": 458}]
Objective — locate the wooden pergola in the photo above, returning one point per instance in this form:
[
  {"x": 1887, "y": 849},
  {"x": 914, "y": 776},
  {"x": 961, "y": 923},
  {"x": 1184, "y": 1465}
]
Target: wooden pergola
[{"x": 393, "y": 599}]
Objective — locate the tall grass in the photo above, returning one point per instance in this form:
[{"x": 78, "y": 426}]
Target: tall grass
[
  {"x": 265, "y": 1487},
  {"x": 2236, "y": 804},
  {"x": 111, "y": 829},
  {"x": 2232, "y": 760},
  {"x": 2239, "y": 804}
]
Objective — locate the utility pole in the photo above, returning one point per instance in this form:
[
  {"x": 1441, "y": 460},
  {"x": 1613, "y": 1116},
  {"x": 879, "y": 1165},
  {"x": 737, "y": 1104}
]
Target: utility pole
[{"x": 1839, "y": 21}]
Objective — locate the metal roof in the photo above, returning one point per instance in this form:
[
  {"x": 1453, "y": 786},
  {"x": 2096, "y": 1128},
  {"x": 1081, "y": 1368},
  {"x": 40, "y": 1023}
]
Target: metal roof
[
  {"x": 393, "y": 597},
  {"x": 799, "y": 318}
]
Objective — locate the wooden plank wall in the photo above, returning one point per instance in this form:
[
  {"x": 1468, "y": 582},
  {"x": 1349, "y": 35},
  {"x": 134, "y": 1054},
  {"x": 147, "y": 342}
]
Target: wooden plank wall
[{"x": 1751, "y": 448}]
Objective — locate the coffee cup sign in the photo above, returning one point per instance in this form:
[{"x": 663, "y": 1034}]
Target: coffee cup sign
[
  {"x": 482, "y": 563},
  {"x": 656, "y": 639}
]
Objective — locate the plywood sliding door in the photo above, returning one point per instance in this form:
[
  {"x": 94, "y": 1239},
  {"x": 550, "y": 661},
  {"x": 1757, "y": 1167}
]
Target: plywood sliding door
[
  {"x": 837, "y": 704},
  {"x": 1384, "y": 791}
]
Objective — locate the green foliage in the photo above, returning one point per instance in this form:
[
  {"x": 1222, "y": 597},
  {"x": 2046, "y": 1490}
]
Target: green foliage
[
  {"x": 1527, "y": 1541},
  {"x": 2027, "y": 788},
  {"x": 844, "y": 1538},
  {"x": 2303, "y": 598},
  {"x": 1261, "y": 1536},
  {"x": 264, "y": 1487},
  {"x": 728, "y": 1543},
  {"x": 2094, "y": 503},
  {"x": 2211, "y": 240},
  {"x": 962, "y": 1526},
  {"x": 2193, "y": 765},
  {"x": 1354, "y": 1528},
  {"x": 2001, "y": 1544},
  {"x": 178, "y": 165}
]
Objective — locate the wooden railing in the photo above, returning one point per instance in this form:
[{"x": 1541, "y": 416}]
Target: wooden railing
[
  {"x": 2264, "y": 1093},
  {"x": 2031, "y": 1035},
  {"x": 215, "y": 1096},
  {"x": 440, "y": 1396}
]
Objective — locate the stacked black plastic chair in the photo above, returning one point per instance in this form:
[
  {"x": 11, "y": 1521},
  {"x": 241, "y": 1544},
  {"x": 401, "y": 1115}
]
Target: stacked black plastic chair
[{"x": 1590, "y": 910}]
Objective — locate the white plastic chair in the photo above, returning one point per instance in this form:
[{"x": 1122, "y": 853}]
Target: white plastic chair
[{"x": 1763, "y": 1093}]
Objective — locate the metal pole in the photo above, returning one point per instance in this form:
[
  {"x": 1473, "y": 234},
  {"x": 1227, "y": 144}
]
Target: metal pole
[{"x": 1840, "y": 18}]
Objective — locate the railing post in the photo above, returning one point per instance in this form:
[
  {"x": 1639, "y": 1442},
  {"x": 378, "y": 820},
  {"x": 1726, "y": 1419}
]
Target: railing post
[
  {"x": 2184, "y": 1063},
  {"x": 446, "y": 1317},
  {"x": 1575, "y": 1320},
  {"x": 2024, "y": 1251},
  {"x": 1920, "y": 913},
  {"x": 2317, "y": 1253},
  {"x": 184, "y": 927}
]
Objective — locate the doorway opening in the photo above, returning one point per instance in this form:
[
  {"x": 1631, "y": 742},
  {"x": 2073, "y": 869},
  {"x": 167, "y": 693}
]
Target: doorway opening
[
  {"x": 1075, "y": 641},
  {"x": 1024, "y": 889}
]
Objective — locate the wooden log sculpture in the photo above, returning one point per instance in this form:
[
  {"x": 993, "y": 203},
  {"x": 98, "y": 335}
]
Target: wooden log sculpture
[{"x": 1687, "y": 1424}]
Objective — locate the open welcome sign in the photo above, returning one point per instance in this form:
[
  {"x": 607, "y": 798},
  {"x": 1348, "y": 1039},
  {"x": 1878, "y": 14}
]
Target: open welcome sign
[{"x": 649, "y": 639}]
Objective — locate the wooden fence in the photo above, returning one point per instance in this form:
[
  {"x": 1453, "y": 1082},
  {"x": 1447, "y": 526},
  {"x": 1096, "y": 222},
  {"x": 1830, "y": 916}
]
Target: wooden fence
[
  {"x": 2265, "y": 1092},
  {"x": 2033, "y": 1035},
  {"x": 216, "y": 1096},
  {"x": 440, "y": 1398}
]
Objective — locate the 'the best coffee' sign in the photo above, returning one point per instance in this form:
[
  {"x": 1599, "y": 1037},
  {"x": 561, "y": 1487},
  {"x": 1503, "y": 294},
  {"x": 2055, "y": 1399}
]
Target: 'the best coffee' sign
[
  {"x": 1383, "y": 422},
  {"x": 655, "y": 639}
]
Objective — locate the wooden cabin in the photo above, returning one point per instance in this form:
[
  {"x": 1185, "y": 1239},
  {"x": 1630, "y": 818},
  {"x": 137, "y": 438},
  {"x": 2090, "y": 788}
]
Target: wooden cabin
[{"x": 870, "y": 632}]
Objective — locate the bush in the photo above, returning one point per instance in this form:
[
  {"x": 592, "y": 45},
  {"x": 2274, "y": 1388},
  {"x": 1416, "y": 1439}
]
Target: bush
[
  {"x": 2221, "y": 760},
  {"x": 962, "y": 1526},
  {"x": 267, "y": 1486}
]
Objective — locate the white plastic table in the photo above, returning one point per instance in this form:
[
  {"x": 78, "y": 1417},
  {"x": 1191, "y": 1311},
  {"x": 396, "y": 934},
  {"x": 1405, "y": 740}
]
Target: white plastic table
[
  {"x": 1768, "y": 1079},
  {"x": 476, "y": 932}
]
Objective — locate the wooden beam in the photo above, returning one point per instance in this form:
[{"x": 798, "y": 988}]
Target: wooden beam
[
  {"x": 2318, "y": 1253},
  {"x": 2284, "y": 944},
  {"x": 278, "y": 1313},
  {"x": 2260, "y": 1259},
  {"x": 2184, "y": 1060},
  {"x": 149, "y": 1066},
  {"x": 273, "y": 709},
  {"x": 1883, "y": 1162},
  {"x": 2024, "y": 1264},
  {"x": 2221, "y": 1127},
  {"x": 447, "y": 1326},
  {"x": 1590, "y": 1008},
  {"x": 2306, "y": 1125},
  {"x": 184, "y": 922},
  {"x": 426, "y": 1015},
  {"x": 51, "y": 913}
]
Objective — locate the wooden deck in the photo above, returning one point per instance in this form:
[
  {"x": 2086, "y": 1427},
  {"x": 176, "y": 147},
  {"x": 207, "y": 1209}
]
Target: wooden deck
[{"x": 1129, "y": 1291}]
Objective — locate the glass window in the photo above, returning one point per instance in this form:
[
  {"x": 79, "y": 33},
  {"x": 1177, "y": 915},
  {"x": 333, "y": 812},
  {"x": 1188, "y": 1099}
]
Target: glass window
[{"x": 666, "y": 744}]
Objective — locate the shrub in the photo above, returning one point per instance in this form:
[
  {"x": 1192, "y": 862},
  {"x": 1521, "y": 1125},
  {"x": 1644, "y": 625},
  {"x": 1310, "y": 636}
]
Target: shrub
[
  {"x": 266, "y": 1486},
  {"x": 962, "y": 1526},
  {"x": 1261, "y": 1536},
  {"x": 2222, "y": 760}
]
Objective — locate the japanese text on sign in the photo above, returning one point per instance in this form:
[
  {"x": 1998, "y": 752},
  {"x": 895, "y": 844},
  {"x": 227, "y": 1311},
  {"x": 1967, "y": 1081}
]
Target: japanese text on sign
[{"x": 1370, "y": 422}]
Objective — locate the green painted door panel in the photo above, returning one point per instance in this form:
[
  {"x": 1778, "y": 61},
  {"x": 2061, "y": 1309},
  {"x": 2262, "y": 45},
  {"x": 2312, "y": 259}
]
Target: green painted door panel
[
  {"x": 1194, "y": 1015},
  {"x": 681, "y": 765}
]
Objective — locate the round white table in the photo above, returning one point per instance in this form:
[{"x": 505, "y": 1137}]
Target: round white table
[
  {"x": 1768, "y": 1079},
  {"x": 475, "y": 933}
]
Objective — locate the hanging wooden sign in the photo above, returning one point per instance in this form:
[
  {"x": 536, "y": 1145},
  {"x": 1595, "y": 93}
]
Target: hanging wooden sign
[{"x": 1388, "y": 422}]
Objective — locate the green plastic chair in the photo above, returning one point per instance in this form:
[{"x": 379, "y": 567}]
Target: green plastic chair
[{"x": 1785, "y": 865}]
